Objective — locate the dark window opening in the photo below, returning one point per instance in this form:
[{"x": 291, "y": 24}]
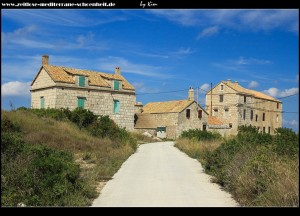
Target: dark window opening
[
  {"x": 230, "y": 125},
  {"x": 199, "y": 114},
  {"x": 264, "y": 116},
  {"x": 188, "y": 113},
  {"x": 222, "y": 87},
  {"x": 204, "y": 128},
  {"x": 245, "y": 98},
  {"x": 251, "y": 115},
  {"x": 256, "y": 117},
  {"x": 264, "y": 129},
  {"x": 221, "y": 98},
  {"x": 244, "y": 114},
  {"x": 277, "y": 105},
  {"x": 269, "y": 130}
]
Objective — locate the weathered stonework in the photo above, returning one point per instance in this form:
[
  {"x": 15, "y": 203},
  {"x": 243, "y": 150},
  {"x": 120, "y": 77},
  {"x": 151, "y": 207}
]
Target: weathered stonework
[
  {"x": 99, "y": 100},
  {"x": 231, "y": 110}
]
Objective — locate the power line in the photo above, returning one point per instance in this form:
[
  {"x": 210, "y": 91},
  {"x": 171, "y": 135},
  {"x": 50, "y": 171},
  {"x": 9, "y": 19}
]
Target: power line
[{"x": 163, "y": 92}]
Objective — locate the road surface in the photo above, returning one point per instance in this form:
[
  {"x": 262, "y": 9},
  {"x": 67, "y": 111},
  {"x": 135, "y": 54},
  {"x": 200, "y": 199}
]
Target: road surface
[{"x": 158, "y": 174}]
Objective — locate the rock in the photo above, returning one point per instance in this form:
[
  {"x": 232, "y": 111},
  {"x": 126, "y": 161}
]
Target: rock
[{"x": 147, "y": 134}]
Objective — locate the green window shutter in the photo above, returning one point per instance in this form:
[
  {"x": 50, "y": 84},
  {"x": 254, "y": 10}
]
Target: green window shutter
[
  {"x": 82, "y": 81},
  {"x": 116, "y": 85},
  {"x": 81, "y": 103},
  {"x": 116, "y": 106},
  {"x": 42, "y": 103}
]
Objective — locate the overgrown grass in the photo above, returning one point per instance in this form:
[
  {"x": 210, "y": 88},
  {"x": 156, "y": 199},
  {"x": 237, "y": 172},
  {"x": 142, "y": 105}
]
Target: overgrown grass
[
  {"x": 46, "y": 152},
  {"x": 258, "y": 169}
]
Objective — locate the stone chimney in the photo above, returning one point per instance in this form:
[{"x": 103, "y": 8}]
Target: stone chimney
[
  {"x": 45, "y": 59},
  {"x": 118, "y": 71},
  {"x": 191, "y": 95},
  {"x": 229, "y": 80},
  {"x": 236, "y": 82}
]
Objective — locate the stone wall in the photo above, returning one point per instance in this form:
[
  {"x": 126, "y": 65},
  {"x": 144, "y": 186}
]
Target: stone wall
[
  {"x": 43, "y": 80},
  {"x": 193, "y": 122},
  {"x": 99, "y": 102},
  {"x": 234, "y": 103}
]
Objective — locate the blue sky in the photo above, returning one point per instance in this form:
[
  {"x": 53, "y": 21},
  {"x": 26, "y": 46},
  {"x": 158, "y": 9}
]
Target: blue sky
[{"x": 157, "y": 50}]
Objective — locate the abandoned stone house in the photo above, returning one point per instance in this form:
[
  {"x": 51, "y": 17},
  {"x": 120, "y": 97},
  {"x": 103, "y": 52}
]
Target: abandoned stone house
[
  {"x": 101, "y": 93},
  {"x": 233, "y": 105},
  {"x": 169, "y": 119}
]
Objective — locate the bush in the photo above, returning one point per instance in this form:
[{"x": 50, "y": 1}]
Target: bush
[
  {"x": 200, "y": 135},
  {"x": 286, "y": 142},
  {"x": 82, "y": 117}
]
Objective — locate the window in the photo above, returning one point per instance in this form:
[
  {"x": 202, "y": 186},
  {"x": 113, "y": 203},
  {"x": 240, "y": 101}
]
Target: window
[
  {"x": 80, "y": 102},
  {"x": 269, "y": 129},
  {"x": 116, "y": 85},
  {"x": 264, "y": 116},
  {"x": 82, "y": 81},
  {"x": 222, "y": 87},
  {"x": 277, "y": 105},
  {"x": 264, "y": 129},
  {"x": 42, "y": 100},
  {"x": 215, "y": 112},
  {"x": 230, "y": 125},
  {"x": 251, "y": 115},
  {"x": 116, "y": 106},
  {"x": 204, "y": 127},
  {"x": 245, "y": 98},
  {"x": 256, "y": 117},
  {"x": 277, "y": 118},
  {"x": 244, "y": 114},
  {"x": 221, "y": 98},
  {"x": 188, "y": 113},
  {"x": 199, "y": 114}
]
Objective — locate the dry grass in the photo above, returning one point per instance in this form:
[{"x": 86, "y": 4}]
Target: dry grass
[
  {"x": 197, "y": 149},
  {"x": 99, "y": 158}
]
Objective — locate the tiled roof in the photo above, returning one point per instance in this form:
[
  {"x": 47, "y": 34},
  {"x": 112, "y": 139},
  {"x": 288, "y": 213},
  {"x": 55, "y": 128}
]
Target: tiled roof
[
  {"x": 175, "y": 106},
  {"x": 212, "y": 120},
  {"x": 145, "y": 121},
  {"x": 238, "y": 88},
  {"x": 64, "y": 74}
]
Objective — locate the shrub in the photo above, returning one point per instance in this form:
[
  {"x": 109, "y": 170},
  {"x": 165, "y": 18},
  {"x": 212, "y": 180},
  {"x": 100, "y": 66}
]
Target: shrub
[
  {"x": 200, "y": 135},
  {"x": 286, "y": 142},
  {"x": 82, "y": 117}
]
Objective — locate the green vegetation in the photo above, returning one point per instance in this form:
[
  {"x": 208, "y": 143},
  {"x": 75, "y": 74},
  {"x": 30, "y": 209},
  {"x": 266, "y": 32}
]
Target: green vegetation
[
  {"x": 57, "y": 157},
  {"x": 257, "y": 168}
]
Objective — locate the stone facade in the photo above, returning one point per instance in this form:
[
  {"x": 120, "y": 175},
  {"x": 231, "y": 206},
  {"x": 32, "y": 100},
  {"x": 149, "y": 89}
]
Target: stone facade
[
  {"x": 174, "y": 122},
  {"x": 99, "y": 100},
  {"x": 241, "y": 106}
]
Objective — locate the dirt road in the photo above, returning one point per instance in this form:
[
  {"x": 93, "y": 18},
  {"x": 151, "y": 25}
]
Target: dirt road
[{"x": 158, "y": 174}]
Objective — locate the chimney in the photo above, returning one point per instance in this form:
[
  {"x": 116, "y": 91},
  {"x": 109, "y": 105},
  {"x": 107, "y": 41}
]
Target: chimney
[
  {"x": 45, "y": 59},
  {"x": 229, "y": 80},
  {"x": 236, "y": 82},
  {"x": 191, "y": 95},
  {"x": 118, "y": 71}
]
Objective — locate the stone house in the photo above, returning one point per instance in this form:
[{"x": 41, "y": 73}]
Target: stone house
[
  {"x": 101, "y": 93},
  {"x": 169, "y": 119},
  {"x": 234, "y": 105}
]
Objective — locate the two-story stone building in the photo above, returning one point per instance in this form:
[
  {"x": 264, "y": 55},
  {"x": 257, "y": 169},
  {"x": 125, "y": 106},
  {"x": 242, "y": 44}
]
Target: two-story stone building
[
  {"x": 101, "y": 93},
  {"x": 170, "y": 118},
  {"x": 234, "y": 105}
]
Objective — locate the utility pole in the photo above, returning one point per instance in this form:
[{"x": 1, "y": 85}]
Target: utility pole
[{"x": 210, "y": 99}]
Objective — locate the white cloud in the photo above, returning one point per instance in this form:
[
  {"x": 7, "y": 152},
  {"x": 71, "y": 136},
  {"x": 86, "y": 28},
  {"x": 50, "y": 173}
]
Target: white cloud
[
  {"x": 253, "y": 84},
  {"x": 109, "y": 63},
  {"x": 208, "y": 32},
  {"x": 288, "y": 92},
  {"x": 141, "y": 88},
  {"x": 251, "y": 61},
  {"x": 205, "y": 87},
  {"x": 274, "y": 92},
  {"x": 244, "y": 20},
  {"x": 15, "y": 88}
]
